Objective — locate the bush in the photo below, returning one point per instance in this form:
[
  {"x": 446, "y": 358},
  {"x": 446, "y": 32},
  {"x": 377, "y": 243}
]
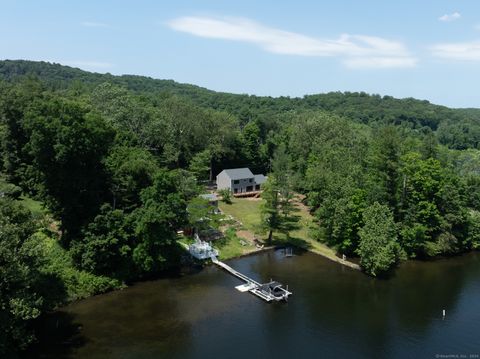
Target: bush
[
  {"x": 226, "y": 195},
  {"x": 78, "y": 284},
  {"x": 379, "y": 249},
  {"x": 10, "y": 190}
]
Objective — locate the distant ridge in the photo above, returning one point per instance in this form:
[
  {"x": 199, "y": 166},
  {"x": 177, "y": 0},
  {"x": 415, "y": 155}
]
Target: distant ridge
[{"x": 358, "y": 106}]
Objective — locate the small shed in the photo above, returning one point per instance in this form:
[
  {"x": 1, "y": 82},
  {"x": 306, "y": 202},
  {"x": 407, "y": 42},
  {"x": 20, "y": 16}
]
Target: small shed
[{"x": 211, "y": 198}]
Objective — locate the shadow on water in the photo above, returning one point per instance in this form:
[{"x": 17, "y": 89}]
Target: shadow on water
[
  {"x": 334, "y": 312},
  {"x": 58, "y": 334}
]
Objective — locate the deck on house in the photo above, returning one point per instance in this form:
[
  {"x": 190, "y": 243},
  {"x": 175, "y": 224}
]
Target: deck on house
[
  {"x": 271, "y": 291},
  {"x": 247, "y": 194}
]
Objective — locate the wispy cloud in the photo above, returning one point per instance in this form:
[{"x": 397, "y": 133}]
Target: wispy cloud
[
  {"x": 450, "y": 17},
  {"x": 94, "y": 24},
  {"x": 355, "y": 51},
  {"x": 466, "y": 51}
]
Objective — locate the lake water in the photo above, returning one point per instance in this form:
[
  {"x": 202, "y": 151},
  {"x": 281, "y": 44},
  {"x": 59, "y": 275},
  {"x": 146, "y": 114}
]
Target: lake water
[{"x": 335, "y": 312}]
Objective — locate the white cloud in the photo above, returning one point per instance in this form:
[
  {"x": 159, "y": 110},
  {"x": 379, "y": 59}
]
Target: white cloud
[
  {"x": 356, "y": 51},
  {"x": 93, "y": 24},
  {"x": 467, "y": 51},
  {"x": 450, "y": 17}
]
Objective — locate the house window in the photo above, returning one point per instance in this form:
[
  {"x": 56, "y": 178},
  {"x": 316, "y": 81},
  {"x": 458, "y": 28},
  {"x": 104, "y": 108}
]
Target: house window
[
  {"x": 236, "y": 182},
  {"x": 250, "y": 180}
]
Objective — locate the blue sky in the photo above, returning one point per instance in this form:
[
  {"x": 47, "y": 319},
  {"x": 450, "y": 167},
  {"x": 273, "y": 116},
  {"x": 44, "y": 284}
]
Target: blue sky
[{"x": 428, "y": 49}]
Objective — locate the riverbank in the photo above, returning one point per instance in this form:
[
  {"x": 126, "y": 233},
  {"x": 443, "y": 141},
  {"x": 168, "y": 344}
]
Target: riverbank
[
  {"x": 193, "y": 316},
  {"x": 245, "y": 216}
]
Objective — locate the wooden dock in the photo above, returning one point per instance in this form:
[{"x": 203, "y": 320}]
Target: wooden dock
[{"x": 272, "y": 291}]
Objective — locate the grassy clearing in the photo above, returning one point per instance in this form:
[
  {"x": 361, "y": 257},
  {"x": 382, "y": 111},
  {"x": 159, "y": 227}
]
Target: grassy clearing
[
  {"x": 247, "y": 212},
  {"x": 234, "y": 246}
]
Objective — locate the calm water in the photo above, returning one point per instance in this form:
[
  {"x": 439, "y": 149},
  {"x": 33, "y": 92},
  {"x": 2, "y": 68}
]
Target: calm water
[{"x": 335, "y": 312}]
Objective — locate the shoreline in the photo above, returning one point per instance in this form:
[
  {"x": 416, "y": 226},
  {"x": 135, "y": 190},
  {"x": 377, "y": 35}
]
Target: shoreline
[
  {"x": 311, "y": 250},
  {"x": 338, "y": 260}
]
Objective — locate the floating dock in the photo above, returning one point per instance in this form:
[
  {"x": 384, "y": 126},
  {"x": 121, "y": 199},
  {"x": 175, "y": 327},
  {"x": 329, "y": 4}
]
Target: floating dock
[{"x": 272, "y": 291}]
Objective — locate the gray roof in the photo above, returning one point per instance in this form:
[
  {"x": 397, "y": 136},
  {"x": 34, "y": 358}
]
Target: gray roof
[
  {"x": 259, "y": 179},
  {"x": 238, "y": 173}
]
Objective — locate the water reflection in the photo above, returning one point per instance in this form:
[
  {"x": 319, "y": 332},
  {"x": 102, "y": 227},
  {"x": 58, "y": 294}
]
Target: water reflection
[{"x": 335, "y": 311}]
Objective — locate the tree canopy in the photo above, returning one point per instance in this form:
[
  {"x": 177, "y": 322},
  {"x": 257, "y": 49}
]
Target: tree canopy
[{"x": 118, "y": 163}]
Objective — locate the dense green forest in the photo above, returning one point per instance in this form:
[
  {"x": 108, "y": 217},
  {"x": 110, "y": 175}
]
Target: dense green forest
[{"x": 115, "y": 161}]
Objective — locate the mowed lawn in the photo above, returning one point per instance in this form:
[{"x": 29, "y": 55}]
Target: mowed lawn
[{"x": 247, "y": 212}]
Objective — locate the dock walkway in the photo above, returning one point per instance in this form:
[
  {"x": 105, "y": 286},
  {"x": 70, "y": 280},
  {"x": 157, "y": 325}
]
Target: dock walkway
[{"x": 272, "y": 291}]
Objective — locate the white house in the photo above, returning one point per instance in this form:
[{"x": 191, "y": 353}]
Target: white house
[{"x": 240, "y": 180}]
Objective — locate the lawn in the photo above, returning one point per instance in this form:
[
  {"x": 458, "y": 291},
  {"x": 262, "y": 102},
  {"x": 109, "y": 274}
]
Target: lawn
[
  {"x": 244, "y": 210},
  {"x": 247, "y": 212},
  {"x": 231, "y": 247}
]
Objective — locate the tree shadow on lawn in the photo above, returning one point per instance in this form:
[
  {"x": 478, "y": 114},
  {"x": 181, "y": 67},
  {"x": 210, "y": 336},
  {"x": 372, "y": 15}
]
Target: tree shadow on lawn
[{"x": 292, "y": 241}]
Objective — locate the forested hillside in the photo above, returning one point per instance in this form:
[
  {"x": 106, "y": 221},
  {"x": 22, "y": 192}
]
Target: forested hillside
[{"x": 115, "y": 160}]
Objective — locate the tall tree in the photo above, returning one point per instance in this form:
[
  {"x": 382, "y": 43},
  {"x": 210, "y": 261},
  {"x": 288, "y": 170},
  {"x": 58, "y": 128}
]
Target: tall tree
[
  {"x": 378, "y": 249},
  {"x": 130, "y": 170},
  {"x": 68, "y": 145},
  {"x": 14, "y": 104},
  {"x": 270, "y": 208},
  {"x": 21, "y": 259},
  {"x": 386, "y": 163},
  {"x": 282, "y": 172},
  {"x": 106, "y": 245},
  {"x": 200, "y": 165},
  {"x": 251, "y": 145},
  {"x": 163, "y": 212}
]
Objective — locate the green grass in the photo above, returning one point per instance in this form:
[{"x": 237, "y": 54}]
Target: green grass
[
  {"x": 231, "y": 247},
  {"x": 248, "y": 213},
  {"x": 244, "y": 210}
]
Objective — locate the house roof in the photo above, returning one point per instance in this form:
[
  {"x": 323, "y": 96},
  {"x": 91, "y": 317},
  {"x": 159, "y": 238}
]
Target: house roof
[
  {"x": 259, "y": 179},
  {"x": 238, "y": 173}
]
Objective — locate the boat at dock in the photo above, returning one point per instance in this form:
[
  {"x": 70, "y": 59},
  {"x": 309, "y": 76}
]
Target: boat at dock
[
  {"x": 202, "y": 250},
  {"x": 271, "y": 292}
]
